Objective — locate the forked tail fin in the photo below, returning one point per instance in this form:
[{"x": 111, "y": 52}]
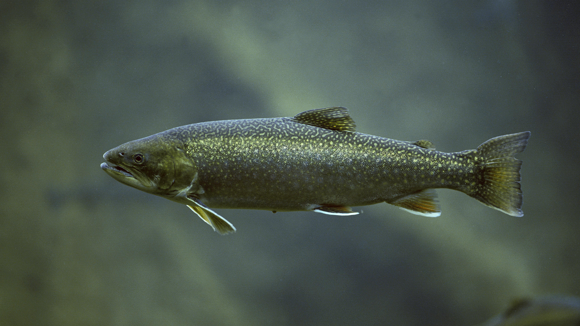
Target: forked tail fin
[{"x": 498, "y": 173}]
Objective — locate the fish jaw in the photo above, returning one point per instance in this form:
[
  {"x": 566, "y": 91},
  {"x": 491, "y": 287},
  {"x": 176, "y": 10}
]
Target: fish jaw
[
  {"x": 121, "y": 175},
  {"x": 124, "y": 175}
]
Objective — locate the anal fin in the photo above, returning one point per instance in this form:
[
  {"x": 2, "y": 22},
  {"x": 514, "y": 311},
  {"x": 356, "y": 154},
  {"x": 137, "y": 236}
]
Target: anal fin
[
  {"x": 421, "y": 203},
  {"x": 335, "y": 210},
  {"x": 218, "y": 223}
]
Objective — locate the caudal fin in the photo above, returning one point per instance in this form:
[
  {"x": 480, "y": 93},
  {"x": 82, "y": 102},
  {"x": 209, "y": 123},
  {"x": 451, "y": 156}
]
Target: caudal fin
[{"x": 498, "y": 173}]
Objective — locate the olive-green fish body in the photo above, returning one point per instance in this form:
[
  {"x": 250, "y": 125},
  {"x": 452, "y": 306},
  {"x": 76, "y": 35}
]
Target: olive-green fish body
[
  {"x": 313, "y": 161},
  {"x": 284, "y": 165}
]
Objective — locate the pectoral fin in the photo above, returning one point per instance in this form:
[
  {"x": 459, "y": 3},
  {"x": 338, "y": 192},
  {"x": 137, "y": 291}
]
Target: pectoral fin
[
  {"x": 421, "y": 203},
  {"x": 210, "y": 217},
  {"x": 335, "y": 210}
]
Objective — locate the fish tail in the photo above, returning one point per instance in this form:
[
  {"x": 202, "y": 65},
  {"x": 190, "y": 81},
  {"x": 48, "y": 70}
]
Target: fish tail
[{"x": 497, "y": 173}]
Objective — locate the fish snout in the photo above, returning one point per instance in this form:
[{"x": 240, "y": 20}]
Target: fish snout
[
  {"x": 113, "y": 156},
  {"x": 107, "y": 155}
]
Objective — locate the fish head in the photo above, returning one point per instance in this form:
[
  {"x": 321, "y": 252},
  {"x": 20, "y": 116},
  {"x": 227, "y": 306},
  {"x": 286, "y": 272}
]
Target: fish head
[{"x": 154, "y": 164}]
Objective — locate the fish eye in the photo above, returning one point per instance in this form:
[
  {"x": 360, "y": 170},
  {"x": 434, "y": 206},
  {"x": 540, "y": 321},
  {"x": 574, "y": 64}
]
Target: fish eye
[{"x": 138, "y": 158}]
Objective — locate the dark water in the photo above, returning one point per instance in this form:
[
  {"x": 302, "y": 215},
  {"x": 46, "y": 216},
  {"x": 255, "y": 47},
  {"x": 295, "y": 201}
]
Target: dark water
[{"x": 80, "y": 77}]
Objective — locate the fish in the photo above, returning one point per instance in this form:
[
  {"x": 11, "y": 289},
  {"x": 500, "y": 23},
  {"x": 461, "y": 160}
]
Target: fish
[
  {"x": 314, "y": 161},
  {"x": 554, "y": 310}
]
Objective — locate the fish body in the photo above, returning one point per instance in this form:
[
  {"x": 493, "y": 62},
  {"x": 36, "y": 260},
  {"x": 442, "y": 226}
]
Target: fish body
[
  {"x": 312, "y": 161},
  {"x": 543, "y": 311}
]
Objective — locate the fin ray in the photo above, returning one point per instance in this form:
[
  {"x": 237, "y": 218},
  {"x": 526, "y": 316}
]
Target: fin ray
[
  {"x": 334, "y": 118},
  {"x": 420, "y": 203},
  {"x": 218, "y": 223},
  {"x": 498, "y": 174}
]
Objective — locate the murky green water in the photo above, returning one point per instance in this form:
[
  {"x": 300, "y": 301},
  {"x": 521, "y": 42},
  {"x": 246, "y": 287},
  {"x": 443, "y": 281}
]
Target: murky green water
[{"x": 78, "y": 78}]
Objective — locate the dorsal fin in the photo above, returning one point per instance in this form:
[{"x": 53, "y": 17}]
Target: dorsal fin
[{"x": 335, "y": 118}]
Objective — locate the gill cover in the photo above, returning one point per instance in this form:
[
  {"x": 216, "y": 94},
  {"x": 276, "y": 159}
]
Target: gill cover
[{"x": 154, "y": 164}]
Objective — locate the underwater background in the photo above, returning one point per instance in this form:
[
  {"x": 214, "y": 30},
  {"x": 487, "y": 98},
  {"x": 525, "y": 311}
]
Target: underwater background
[{"x": 80, "y": 77}]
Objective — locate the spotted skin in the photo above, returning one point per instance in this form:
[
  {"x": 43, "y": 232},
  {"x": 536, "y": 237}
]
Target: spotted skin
[{"x": 286, "y": 165}]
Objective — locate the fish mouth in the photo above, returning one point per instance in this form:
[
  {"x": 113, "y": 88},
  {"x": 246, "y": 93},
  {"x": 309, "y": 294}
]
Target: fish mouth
[
  {"x": 133, "y": 179},
  {"x": 115, "y": 169},
  {"x": 123, "y": 176}
]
